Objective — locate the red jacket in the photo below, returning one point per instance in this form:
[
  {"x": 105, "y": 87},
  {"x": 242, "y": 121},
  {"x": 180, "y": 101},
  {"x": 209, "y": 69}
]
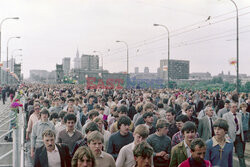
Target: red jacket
[{"x": 186, "y": 163}]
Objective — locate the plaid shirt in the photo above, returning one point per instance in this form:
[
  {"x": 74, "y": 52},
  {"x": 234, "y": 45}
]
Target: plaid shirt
[{"x": 178, "y": 137}]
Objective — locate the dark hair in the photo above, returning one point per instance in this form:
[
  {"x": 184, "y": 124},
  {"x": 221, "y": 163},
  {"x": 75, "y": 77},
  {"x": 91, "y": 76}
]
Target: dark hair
[
  {"x": 221, "y": 123},
  {"x": 188, "y": 126},
  {"x": 165, "y": 101},
  {"x": 171, "y": 110},
  {"x": 53, "y": 115},
  {"x": 69, "y": 117},
  {"x": 143, "y": 150},
  {"x": 139, "y": 107},
  {"x": 91, "y": 126},
  {"x": 227, "y": 101},
  {"x": 160, "y": 105},
  {"x": 182, "y": 118},
  {"x": 63, "y": 99},
  {"x": 62, "y": 114},
  {"x": 56, "y": 99},
  {"x": 147, "y": 114},
  {"x": 46, "y": 101},
  {"x": 71, "y": 99},
  {"x": 123, "y": 120},
  {"x": 189, "y": 107},
  {"x": 122, "y": 109},
  {"x": 91, "y": 96},
  {"x": 197, "y": 142}
]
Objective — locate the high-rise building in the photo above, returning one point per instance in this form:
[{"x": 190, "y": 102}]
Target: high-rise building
[
  {"x": 136, "y": 70},
  {"x": 178, "y": 69},
  {"x": 17, "y": 70},
  {"x": 146, "y": 70},
  {"x": 89, "y": 62},
  {"x": 66, "y": 65},
  {"x": 77, "y": 61},
  {"x": 59, "y": 73}
]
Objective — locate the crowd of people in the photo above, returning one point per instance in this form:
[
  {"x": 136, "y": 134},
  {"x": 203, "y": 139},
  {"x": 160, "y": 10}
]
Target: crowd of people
[{"x": 68, "y": 125}]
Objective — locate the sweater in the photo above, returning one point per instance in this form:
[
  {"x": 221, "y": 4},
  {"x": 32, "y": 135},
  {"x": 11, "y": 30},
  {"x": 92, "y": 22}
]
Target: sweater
[
  {"x": 160, "y": 143},
  {"x": 117, "y": 141},
  {"x": 64, "y": 138},
  {"x": 186, "y": 163}
]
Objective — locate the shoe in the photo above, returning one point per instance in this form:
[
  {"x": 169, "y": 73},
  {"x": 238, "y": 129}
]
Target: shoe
[
  {"x": 6, "y": 138},
  {"x": 10, "y": 140}
]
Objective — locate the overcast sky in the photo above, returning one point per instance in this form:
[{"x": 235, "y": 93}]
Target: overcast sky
[{"x": 53, "y": 29}]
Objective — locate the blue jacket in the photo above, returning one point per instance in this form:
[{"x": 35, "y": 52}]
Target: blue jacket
[{"x": 213, "y": 153}]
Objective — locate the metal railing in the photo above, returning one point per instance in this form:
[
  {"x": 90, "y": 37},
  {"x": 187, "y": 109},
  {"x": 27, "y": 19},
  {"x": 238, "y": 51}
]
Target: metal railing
[{"x": 18, "y": 138}]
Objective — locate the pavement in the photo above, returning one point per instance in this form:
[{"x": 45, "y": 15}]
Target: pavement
[
  {"x": 247, "y": 157},
  {"x": 4, "y": 127}
]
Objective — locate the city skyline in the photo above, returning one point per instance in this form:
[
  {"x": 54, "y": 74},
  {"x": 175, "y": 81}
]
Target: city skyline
[{"x": 201, "y": 31}]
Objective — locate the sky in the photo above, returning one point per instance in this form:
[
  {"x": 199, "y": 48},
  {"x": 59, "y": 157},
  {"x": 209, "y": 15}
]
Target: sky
[{"x": 201, "y": 31}]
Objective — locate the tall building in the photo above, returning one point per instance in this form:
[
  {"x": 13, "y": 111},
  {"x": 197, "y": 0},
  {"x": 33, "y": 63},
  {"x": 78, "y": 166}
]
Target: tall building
[
  {"x": 17, "y": 70},
  {"x": 59, "y": 73},
  {"x": 136, "y": 70},
  {"x": 66, "y": 65},
  {"x": 178, "y": 69},
  {"x": 146, "y": 70},
  {"x": 77, "y": 61},
  {"x": 89, "y": 62}
]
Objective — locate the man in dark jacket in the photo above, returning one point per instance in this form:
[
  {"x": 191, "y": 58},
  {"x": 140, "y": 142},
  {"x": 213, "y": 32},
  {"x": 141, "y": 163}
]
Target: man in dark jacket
[
  {"x": 4, "y": 94},
  {"x": 51, "y": 154}
]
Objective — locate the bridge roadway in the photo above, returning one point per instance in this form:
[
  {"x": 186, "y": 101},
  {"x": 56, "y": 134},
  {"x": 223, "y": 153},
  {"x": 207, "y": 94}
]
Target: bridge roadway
[{"x": 6, "y": 146}]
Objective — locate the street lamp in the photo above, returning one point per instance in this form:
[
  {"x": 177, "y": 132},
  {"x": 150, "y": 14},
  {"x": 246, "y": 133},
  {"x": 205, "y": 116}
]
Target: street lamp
[
  {"x": 8, "y": 18},
  {"x": 12, "y": 61},
  {"x": 237, "y": 46},
  {"x": 168, "y": 46},
  {"x": 127, "y": 57},
  {"x": 8, "y": 52}
]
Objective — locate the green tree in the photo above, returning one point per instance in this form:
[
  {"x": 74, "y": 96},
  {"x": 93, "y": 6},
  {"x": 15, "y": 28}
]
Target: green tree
[{"x": 247, "y": 86}]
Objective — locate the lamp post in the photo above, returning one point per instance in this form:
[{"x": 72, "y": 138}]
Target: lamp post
[
  {"x": 168, "y": 46},
  {"x": 8, "y": 18},
  {"x": 237, "y": 46},
  {"x": 8, "y": 52},
  {"x": 127, "y": 58},
  {"x": 12, "y": 60}
]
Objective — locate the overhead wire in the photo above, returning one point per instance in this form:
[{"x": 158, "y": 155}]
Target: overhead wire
[{"x": 164, "y": 36}]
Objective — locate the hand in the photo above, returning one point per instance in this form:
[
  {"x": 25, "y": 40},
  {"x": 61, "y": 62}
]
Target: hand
[
  {"x": 166, "y": 157},
  {"x": 32, "y": 153},
  {"x": 27, "y": 137},
  {"x": 160, "y": 154}
]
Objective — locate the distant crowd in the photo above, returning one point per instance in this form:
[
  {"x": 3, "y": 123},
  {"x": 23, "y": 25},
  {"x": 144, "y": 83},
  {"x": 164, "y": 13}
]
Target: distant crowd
[{"x": 68, "y": 125}]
